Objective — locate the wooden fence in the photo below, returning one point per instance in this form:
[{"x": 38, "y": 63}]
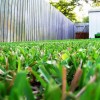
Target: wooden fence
[
  {"x": 81, "y": 27},
  {"x": 28, "y": 20}
]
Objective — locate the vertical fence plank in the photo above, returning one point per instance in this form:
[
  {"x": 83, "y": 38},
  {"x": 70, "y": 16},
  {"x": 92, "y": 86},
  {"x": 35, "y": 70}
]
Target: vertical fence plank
[{"x": 28, "y": 20}]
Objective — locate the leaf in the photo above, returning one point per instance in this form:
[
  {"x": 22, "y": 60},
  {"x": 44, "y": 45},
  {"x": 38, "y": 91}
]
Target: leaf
[
  {"x": 1, "y": 72},
  {"x": 19, "y": 65},
  {"x": 44, "y": 73},
  {"x": 21, "y": 88},
  {"x": 43, "y": 83},
  {"x": 2, "y": 90},
  {"x": 53, "y": 92},
  {"x": 64, "y": 56}
]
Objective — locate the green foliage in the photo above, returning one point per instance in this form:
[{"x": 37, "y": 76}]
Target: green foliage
[
  {"x": 33, "y": 70},
  {"x": 96, "y": 3},
  {"x": 53, "y": 91},
  {"x": 86, "y": 19},
  {"x": 66, "y": 8},
  {"x": 21, "y": 89},
  {"x": 97, "y": 35}
]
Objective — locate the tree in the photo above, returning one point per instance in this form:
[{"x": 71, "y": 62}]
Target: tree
[
  {"x": 66, "y": 7},
  {"x": 86, "y": 19},
  {"x": 96, "y": 2}
]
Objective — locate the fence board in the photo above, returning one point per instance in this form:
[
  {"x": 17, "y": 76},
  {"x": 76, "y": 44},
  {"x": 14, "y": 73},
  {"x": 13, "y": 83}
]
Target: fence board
[{"x": 28, "y": 20}]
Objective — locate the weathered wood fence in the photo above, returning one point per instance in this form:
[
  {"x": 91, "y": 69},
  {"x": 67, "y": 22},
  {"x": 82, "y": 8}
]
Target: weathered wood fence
[{"x": 28, "y": 20}]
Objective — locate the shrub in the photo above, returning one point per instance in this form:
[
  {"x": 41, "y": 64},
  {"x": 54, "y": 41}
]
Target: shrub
[{"x": 97, "y": 35}]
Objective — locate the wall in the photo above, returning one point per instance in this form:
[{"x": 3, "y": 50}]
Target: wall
[
  {"x": 94, "y": 22},
  {"x": 28, "y": 20}
]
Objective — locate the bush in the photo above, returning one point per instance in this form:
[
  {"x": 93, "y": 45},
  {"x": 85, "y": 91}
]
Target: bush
[{"x": 97, "y": 35}]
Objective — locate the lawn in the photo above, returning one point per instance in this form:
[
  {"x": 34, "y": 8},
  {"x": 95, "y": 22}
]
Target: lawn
[{"x": 41, "y": 70}]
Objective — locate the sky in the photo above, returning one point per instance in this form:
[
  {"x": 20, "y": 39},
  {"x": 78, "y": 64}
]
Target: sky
[{"x": 84, "y": 12}]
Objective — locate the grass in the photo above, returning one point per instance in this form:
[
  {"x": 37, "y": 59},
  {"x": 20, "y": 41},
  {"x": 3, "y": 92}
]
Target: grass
[{"x": 34, "y": 70}]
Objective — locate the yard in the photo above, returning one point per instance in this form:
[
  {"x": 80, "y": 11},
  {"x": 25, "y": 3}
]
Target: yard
[
  {"x": 41, "y": 57},
  {"x": 50, "y": 70}
]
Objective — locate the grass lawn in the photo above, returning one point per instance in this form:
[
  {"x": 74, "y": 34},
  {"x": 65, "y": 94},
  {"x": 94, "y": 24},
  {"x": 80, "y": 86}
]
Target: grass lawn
[{"x": 41, "y": 70}]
